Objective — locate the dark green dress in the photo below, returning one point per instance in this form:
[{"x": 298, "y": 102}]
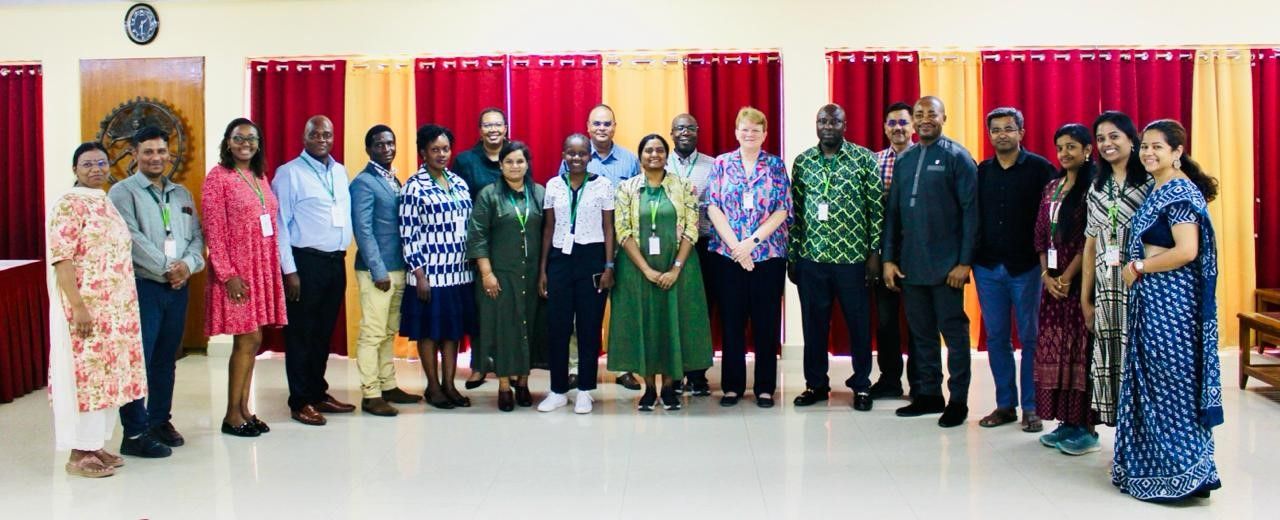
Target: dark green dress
[
  {"x": 512, "y": 330},
  {"x": 652, "y": 331}
]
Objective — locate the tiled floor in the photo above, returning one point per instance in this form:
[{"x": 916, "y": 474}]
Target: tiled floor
[{"x": 702, "y": 462}]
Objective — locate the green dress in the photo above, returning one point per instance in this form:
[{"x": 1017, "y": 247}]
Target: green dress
[
  {"x": 652, "y": 331},
  {"x": 512, "y": 326}
]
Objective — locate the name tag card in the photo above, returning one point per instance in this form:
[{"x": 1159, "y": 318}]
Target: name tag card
[
  {"x": 1052, "y": 259},
  {"x": 337, "y": 216},
  {"x": 1112, "y": 254},
  {"x": 655, "y": 245},
  {"x": 824, "y": 211},
  {"x": 748, "y": 201},
  {"x": 568, "y": 245},
  {"x": 264, "y": 220}
]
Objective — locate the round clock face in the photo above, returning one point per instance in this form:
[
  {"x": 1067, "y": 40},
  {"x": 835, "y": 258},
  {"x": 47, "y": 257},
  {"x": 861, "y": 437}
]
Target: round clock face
[{"x": 141, "y": 23}]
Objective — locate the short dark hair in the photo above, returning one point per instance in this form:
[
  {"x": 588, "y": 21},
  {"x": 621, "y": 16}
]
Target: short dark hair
[
  {"x": 86, "y": 148},
  {"x": 896, "y": 107},
  {"x": 374, "y": 131},
  {"x": 647, "y": 138},
  {"x": 513, "y": 147},
  {"x": 575, "y": 135},
  {"x": 258, "y": 163},
  {"x": 148, "y": 133},
  {"x": 491, "y": 110},
  {"x": 429, "y": 133},
  {"x": 1006, "y": 112}
]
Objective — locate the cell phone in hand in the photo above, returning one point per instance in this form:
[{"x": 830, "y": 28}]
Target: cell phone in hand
[{"x": 595, "y": 280}]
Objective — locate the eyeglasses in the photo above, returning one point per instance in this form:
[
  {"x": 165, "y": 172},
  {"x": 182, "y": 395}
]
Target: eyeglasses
[
  {"x": 492, "y": 126},
  {"x": 897, "y": 122},
  {"x": 602, "y": 124},
  {"x": 242, "y": 139},
  {"x": 684, "y": 128},
  {"x": 90, "y": 164}
]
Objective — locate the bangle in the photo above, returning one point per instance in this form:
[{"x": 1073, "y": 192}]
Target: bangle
[{"x": 608, "y": 265}]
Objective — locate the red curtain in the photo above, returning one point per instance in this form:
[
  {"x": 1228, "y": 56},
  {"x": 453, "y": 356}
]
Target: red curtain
[
  {"x": 1050, "y": 87},
  {"x": 1147, "y": 84},
  {"x": 282, "y": 96},
  {"x": 722, "y": 83},
  {"x": 1266, "y": 155},
  {"x": 22, "y": 163},
  {"x": 864, "y": 83},
  {"x": 451, "y": 92},
  {"x": 550, "y": 99}
]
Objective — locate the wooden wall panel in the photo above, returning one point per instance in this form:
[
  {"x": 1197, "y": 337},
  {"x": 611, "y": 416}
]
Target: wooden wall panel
[{"x": 178, "y": 83}]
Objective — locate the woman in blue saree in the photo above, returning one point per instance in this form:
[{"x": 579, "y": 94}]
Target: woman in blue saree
[{"x": 1171, "y": 392}]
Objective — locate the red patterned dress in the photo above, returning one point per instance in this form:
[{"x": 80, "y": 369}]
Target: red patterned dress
[
  {"x": 1062, "y": 349},
  {"x": 233, "y": 205}
]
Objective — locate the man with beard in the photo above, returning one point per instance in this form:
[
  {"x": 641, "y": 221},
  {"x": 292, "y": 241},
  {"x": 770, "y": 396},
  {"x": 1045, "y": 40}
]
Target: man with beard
[
  {"x": 1010, "y": 187},
  {"x": 834, "y": 251},
  {"x": 168, "y": 247},
  {"x": 315, "y": 230},
  {"x": 695, "y": 166},
  {"x": 375, "y": 221},
  {"x": 931, "y": 232}
]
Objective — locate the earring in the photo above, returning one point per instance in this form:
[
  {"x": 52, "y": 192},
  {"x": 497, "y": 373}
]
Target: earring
[{"x": 1177, "y": 164}]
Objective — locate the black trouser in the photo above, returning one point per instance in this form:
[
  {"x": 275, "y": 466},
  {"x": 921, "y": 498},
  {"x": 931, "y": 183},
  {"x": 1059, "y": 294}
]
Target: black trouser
[
  {"x": 710, "y": 276},
  {"x": 889, "y": 338},
  {"x": 753, "y": 297},
  {"x": 573, "y": 303},
  {"x": 934, "y": 309},
  {"x": 311, "y": 323},
  {"x": 820, "y": 284}
]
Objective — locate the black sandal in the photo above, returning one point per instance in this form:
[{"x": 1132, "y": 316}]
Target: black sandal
[
  {"x": 440, "y": 401},
  {"x": 257, "y": 423}
]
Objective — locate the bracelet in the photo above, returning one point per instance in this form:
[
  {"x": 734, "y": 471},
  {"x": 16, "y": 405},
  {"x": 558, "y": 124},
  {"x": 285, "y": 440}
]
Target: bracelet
[{"x": 608, "y": 265}]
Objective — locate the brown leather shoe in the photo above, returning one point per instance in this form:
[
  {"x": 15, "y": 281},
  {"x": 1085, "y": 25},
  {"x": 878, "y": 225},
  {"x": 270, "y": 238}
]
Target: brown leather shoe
[
  {"x": 308, "y": 415},
  {"x": 398, "y": 396},
  {"x": 378, "y": 406},
  {"x": 331, "y": 405}
]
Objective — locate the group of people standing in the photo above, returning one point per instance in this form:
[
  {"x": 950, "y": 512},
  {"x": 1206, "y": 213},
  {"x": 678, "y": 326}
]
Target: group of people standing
[{"x": 1105, "y": 267}]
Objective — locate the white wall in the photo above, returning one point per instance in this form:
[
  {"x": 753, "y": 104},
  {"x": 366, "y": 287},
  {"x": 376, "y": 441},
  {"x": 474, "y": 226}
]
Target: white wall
[{"x": 227, "y": 32}]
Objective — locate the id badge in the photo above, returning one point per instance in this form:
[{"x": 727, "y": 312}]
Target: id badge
[
  {"x": 170, "y": 248},
  {"x": 460, "y": 227},
  {"x": 568, "y": 245},
  {"x": 337, "y": 217},
  {"x": 824, "y": 211},
  {"x": 1052, "y": 258},
  {"x": 1112, "y": 254},
  {"x": 264, "y": 220},
  {"x": 748, "y": 201},
  {"x": 655, "y": 245}
]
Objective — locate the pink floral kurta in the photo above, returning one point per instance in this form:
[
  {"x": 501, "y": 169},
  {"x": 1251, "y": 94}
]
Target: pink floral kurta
[{"x": 86, "y": 230}]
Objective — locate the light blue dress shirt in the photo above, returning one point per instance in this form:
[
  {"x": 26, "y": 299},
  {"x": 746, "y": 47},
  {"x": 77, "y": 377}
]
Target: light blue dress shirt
[
  {"x": 308, "y": 190},
  {"x": 617, "y": 166}
]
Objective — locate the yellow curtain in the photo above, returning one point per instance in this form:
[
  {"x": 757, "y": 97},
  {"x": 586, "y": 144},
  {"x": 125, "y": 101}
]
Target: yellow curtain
[
  {"x": 956, "y": 78},
  {"x": 1222, "y": 142},
  {"x": 645, "y": 91},
  {"x": 378, "y": 91}
]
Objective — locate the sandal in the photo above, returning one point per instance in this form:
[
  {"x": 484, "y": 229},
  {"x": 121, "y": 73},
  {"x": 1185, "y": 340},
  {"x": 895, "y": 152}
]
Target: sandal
[
  {"x": 1000, "y": 417},
  {"x": 90, "y": 466},
  {"x": 1031, "y": 423},
  {"x": 115, "y": 461}
]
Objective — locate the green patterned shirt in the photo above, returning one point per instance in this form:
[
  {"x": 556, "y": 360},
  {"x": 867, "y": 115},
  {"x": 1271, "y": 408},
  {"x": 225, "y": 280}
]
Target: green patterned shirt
[{"x": 849, "y": 184}]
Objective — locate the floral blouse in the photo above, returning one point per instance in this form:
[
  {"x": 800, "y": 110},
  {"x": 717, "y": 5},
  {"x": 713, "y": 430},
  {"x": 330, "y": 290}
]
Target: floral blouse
[
  {"x": 747, "y": 200},
  {"x": 629, "y": 219}
]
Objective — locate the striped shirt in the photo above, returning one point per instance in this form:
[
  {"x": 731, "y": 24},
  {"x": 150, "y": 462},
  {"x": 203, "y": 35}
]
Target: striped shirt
[{"x": 433, "y": 228}]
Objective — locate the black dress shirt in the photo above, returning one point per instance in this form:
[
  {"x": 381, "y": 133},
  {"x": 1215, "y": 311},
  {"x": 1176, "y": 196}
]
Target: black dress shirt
[{"x": 1008, "y": 202}]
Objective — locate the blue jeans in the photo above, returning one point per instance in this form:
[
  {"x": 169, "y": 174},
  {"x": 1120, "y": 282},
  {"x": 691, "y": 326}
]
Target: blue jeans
[
  {"x": 163, "y": 313},
  {"x": 1003, "y": 296}
]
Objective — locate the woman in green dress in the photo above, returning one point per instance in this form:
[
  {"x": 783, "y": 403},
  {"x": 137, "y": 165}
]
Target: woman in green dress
[
  {"x": 505, "y": 240},
  {"x": 659, "y": 321}
]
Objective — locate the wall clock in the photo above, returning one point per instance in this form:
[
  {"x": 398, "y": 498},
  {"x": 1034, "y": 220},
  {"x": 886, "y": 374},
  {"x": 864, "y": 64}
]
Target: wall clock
[{"x": 141, "y": 23}]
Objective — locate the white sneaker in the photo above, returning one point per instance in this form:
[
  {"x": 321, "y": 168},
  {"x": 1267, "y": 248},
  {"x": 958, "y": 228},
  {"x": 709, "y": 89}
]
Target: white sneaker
[
  {"x": 552, "y": 402},
  {"x": 582, "y": 403}
]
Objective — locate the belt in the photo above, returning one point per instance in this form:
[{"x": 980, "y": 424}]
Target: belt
[{"x": 323, "y": 254}]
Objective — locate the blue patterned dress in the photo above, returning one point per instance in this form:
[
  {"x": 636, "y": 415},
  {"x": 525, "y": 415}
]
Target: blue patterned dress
[{"x": 1171, "y": 390}]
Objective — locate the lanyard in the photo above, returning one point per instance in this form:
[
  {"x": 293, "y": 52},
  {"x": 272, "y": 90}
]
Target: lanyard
[
  {"x": 1114, "y": 210},
  {"x": 447, "y": 187},
  {"x": 521, "y": 218},
  {"x": 575, "y": 197},
  {"x": 326, "y": 182},
  {"x": 164, "y": 209},
  {"x": 653, "y": 214},
  {"x": 689, "y": 171},
  {"x": 826, "y": 177},
  {"x": 257, "y": 188},
  {"x": 1054, "y": 209}
]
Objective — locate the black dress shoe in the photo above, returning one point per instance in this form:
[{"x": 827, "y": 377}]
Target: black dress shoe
[
  {"x": 812, "y": 395},
  {"x": 472, "y": 385},
  {"x": 523, "y": 398},
  {"x": 700, "y": 389},
  {"x": 458, "y": 400},
  {"x": 378, "y": 406},
  {"x": 670, "y": 401},
  {"x": 764, "y": 402},
  {"x": 730, "y": 400},
  {"x": 885, "y": 390},
  {"x": 398, "y": 396},
  {"x": 922, "y": 405},
  {"x": 244, "y": 430},
  {"x": 647, "y": 400},
  {"x": 257, "y": 423},
  {"x": 862, "y": 402},
  {"x": 628, "y": 381},
  {"x": 167, "y": 434},
  {"x": 440, "y": 401},
  {"x": 506, "y": 400},
  {"x": 954, "y": 415},
  {"x": 145, "y": 446}
]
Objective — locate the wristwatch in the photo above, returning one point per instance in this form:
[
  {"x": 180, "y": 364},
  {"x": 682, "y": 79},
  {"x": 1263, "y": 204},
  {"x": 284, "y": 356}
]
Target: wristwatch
[
  {"x": 755, "y": 239},
  {"x": 1138, "y": 266},
  {"x": 678, "y": 263}
]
